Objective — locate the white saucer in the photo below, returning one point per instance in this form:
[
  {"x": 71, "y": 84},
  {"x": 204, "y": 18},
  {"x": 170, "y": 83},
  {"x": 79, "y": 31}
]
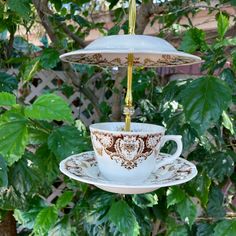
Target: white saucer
[
  {"x": 112, "y": 51},
  {"x": 83, "y": 167}
]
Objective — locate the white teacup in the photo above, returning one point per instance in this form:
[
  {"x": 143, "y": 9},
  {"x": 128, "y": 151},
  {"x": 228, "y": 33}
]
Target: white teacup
[{"x": 130, "y": 157}]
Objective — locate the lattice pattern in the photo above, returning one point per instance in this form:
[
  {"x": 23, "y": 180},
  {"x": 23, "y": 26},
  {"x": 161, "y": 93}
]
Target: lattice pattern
[{"x": 53, "y": 81}]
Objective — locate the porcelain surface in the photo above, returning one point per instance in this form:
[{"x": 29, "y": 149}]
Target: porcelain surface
[
  {"x": 130, "y": 156},
  {"x": 113, "y": 51},
  {"x": 84, "y": 168}
]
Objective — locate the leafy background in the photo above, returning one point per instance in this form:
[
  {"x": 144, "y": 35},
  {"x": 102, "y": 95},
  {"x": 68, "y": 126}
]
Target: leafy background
[{"x": 202, "y": 110}]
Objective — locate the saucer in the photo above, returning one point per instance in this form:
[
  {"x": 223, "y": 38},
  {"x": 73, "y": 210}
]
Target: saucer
[
  {"x": 112, "y": 51},
  {"x": 83, "y": 167}
]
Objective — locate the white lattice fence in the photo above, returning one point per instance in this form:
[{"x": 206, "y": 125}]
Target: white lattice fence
[{"x": 52, "y": 81}]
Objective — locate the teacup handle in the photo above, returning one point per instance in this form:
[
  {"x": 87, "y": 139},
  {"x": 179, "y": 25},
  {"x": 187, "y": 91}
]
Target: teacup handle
[{"x": 178, "y": 140}]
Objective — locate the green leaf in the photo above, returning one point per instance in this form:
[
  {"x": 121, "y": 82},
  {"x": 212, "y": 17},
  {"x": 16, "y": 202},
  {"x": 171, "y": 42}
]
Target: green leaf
[
  {"x": 174, "y": 195},
  {"x": 229, "y": 77},
  {"x": 215, "y": 206},
  {"x": 64, "y": 199},
  {"x": 22, "y": 7},
  {"x": 27, "y": 218},
  {"x": 225, "y": 228},
  {"x": 122, "y": 216},
  {"x": 67, "y": 90},
  {"x": 1, "y": 10},
  {"x": 37, "y": 136},
  {"x": 214, "y": 59},
  {"x": 160, "y": 211},
  {"x": 100, "y": 200},
  {"x": 67, "y": 140},
  {"x": 187, "y": 211},
  {"x": 193, "y": 40},
  {"x": 226, "y": 42},
  {"x": 232, "y": 154},
  {"x": 47, "y": 165},
  {"x": 24, "y": 220},
  {"x": 3, "y": 214},
  {"x": 29, "y": 69},
  {"x": 114, "y": 30},
  {"x": 8, "y": 83},
  {"x": 80, "y": 126},
  {"x": 95, "y": 217},
  {"x": 82, "y": 21},
  {"x": 204, "y": 100},
  {"x": 145, "y": 200},
  {"x": 234, "y": 61},
  {"x": 112, "y": 3},
  {"x": 44, "y": 41},
  {"x": 142, "y": 80},
  {"x": 7, "y": 99},
  {"x": 24, "y": 177},
  {"x": 188, "y": 136},
  {"x": 63, "y": 228},
  {"x": 227, "y": 123},
  {"x": 23, "y": 46},
  {"x": 200, "y": 187},
  {"x": 205, "y": 229},
  {"x": 219, "y": 165},
  {"x": 10, "y": 199},
  {"x": 177, "y": 230},
  {"x": 49, "y": 58},
  {"x": 45, "y": 220},
  {"x": 149, "y": 111},
  {"x": 3, "y": 173},
  {"x": 49, "y": 107},
  {"x": 13, "y": 136},
  {"x": 222, "y": 24},
  {"x": 233, "y": 2}
]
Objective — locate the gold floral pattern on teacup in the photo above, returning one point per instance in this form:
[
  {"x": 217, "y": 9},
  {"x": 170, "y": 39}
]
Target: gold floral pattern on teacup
[{"x": 127, "y": 150}]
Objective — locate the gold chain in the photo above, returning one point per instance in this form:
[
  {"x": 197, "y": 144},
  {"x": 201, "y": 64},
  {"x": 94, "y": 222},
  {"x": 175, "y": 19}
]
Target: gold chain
[{"x": 129, "y": 109}]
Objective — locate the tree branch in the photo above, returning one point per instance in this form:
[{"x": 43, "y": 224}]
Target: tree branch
[
  {"x": 144, "y": 13},
  {"x": 40, "y": 8},
  {"x": 155, "y": 227},
  {"x": 88, "y": 93},
  {"x": 73, "y": 36},
  {"x": 228, "y": 215},
  {"x": 10, "y": 44},
  {"x": 43, "y": 12},
  {"x": 117, "y": 94}
]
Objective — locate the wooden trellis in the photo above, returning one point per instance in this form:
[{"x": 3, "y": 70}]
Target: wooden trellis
[{"x": 52, "y": 81}]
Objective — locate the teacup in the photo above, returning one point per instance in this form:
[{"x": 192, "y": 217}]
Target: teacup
[{"x": 130, "y": 157}]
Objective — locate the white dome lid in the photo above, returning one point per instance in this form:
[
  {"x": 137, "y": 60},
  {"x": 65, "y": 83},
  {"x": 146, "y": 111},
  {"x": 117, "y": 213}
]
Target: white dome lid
[{"x": 148, "y": 51}]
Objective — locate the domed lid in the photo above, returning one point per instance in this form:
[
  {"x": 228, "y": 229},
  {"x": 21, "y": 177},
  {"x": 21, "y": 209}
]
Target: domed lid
[{"x": 148, "y": 51}]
